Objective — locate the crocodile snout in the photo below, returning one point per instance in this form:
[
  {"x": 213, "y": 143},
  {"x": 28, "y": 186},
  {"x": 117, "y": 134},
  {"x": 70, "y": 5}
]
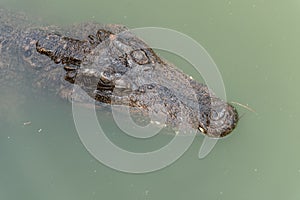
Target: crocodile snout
[{"x": 222, "y": 119}]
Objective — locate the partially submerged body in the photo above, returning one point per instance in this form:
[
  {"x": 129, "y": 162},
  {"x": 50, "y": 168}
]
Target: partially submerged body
[{"x": 112, "y": 66}]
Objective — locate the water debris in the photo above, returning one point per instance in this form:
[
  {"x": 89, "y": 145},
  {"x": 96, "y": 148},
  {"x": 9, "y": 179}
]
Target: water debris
[
  {"x": 244, "y": 106},
  {"x": 27, "y": 123}
]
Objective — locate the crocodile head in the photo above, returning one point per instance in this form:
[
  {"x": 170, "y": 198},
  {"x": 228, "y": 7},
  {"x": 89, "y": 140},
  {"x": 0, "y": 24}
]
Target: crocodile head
[{"x": 122, "y": 69}]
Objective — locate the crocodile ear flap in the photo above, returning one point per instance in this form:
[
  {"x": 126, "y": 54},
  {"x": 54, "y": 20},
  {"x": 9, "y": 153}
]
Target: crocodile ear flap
[{"x": 103, "y": 35}]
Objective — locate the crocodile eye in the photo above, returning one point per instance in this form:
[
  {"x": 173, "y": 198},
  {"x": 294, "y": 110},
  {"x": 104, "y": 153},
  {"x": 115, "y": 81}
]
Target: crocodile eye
[
  {"x": 139, "y": 56},
  {"x": 27, "y": 53},
  {"x": 106, "y": 77},
  {"x": 103, "y": 34}
]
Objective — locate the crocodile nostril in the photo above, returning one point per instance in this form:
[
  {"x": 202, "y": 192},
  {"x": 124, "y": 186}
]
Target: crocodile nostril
[
  {"x": 140, "y": 57},
  {"x": 214, "y": 115}
]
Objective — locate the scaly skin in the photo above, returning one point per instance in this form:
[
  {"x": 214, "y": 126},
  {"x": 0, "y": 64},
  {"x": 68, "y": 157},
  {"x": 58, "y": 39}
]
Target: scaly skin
[{"x": 112, "y": 66}]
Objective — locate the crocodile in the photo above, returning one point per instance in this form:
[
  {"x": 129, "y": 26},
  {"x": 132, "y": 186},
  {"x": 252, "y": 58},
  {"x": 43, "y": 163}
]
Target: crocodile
[{"x": 112, "y": 66}]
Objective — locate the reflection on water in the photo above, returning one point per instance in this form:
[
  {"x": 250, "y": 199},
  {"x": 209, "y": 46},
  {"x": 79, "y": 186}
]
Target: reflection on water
[{"x": 256, "y": 46}]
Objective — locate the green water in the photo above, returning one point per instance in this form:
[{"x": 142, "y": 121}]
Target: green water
[{"x": 255, "y": 45}]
